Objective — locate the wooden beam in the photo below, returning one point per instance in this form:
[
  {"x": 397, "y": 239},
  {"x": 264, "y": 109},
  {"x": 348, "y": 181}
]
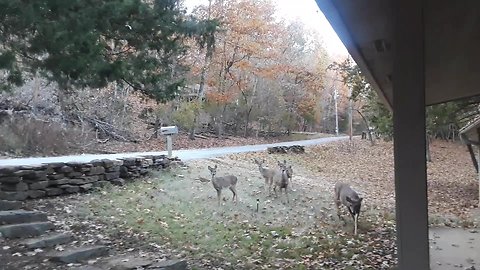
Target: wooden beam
[
  {"x": 472, "y": 156},
  {"x": 409, "y": 135}
]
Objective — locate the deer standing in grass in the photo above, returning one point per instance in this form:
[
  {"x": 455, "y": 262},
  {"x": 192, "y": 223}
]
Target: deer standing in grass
[
  {"x": 289, "y": 170},
  {"x": 266, "y": 173},
  {"x": 345, "y": 195},
  {"x": 280, "y": 179},
  {"x": 222, "y": 182}
]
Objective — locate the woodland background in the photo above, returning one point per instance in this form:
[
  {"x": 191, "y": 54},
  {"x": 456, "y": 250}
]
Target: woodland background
[{"x": 82, "y": 77}]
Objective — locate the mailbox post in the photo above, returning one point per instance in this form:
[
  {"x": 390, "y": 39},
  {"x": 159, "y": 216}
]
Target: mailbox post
[{"x": 169, "y": 131}]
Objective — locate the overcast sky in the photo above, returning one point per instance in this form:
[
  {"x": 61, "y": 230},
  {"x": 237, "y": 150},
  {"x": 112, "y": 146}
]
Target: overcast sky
[{"x": 308, "y": 12}]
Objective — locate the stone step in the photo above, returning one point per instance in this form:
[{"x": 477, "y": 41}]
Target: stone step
[
  {"x": 21, "y": 216},
  {"x": 169, "y": 265},
  {"x": 50, "y": 240},
  {"x": 78, "y": 254},
  {"x": 10, "y": 205},
  {"x": 25, "y": 229}
]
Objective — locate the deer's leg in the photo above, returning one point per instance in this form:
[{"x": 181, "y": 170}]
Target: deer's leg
[
  {"x": 270, "y": 185},
  {"x": 286, "y": 193},
  {"x": 354, "y": 217},
  {"x": 219, "y": 195},
  {"x": 351, "y": 213},
  {"x": 235, "y": 196},
  {"x": 337, "y": 203}
]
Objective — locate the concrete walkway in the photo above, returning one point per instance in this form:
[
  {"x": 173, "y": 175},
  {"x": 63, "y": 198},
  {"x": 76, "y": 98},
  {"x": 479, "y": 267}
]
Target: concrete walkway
[
  {"x": 454, "y": 248},
  {"x": 187, "y": 154}
]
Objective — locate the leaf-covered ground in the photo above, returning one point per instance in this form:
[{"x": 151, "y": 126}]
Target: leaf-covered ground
[{"x": 175, "y": 213}]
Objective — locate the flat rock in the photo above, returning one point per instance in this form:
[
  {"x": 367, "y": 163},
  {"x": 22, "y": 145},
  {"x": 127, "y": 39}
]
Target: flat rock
[
  {"x": 101, "y": 184},
  {"x": 20, "y": 186},
  {"x": 10, "y": 205},
  {"x": 8, "y": 169},
  {"x": 118, "y": 182},
  {"x": 32, "y": 167},
  {"x": 127, "y": 263},
  {"x": 39, "y": 185},
  {"x": 56, "y": 176},
  {"x": 65, "y": 169},
  {"x": 13, "y": 195},
  {"x": 70, "y": 188},
  {"x": 170, "y": 265},
  {"x": 21, "y": 216},
  {"x": 90, "y": 179},
  {"x": 36, "y": 176},
  {"x": 36, "y": 193},
  {"x": 96, "y": 170},
  {"x": 47, "y": 240},
  {"x": 74, "y": 174},
  {"x": 112, "y": 175},
  {"x": 85, "y": 267},
  {"x": 10, "y": 179},
  {"x": 53, "y": 191},
  {"x": 25, "y": 229},
  {"x": 78, "y": 254},
  {"x": 86, "y": 187}
]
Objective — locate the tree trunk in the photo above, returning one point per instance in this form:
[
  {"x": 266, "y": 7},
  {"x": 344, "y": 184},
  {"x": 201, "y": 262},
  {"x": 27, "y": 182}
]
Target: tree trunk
[
  {"x": 370, "y": 137},
  {"x": 247, "y": 121},
  {"x": 429, "y": 155},
  {"x": 156, "y": 127},
  {"x": 191, "y": 134}
]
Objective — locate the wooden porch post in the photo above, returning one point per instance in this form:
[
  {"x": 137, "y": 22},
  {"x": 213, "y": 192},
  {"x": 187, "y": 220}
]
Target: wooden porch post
[{"x": 409, "y": 135}]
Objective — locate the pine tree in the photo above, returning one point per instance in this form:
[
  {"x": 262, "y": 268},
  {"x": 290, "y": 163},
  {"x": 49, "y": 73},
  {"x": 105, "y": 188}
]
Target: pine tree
[{"x": 90, "y": 43}]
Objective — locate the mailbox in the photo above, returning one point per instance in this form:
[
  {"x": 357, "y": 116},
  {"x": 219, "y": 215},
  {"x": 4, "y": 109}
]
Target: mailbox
[{"x": 169, "y": 130}]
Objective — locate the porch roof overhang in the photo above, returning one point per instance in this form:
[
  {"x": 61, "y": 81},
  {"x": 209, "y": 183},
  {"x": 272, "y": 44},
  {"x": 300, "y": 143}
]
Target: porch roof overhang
[{"x": 452, "y": 44}]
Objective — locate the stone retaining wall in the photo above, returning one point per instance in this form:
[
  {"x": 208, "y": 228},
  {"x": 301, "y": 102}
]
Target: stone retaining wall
[{"x": 52, "y": 179}]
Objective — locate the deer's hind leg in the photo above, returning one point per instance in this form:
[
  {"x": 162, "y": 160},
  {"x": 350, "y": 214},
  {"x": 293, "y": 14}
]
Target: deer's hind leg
[
  {"x": 219, "y": 195},
  {"x": 235, "y": 196},
  {"x": 337, "y": 201},
  {"x": 286, "y": 194}
]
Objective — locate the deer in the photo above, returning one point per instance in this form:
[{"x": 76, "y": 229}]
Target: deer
[
  {"x": 266, "y": 173},
  {"x": 222, "y": 182},
  {"x": 280, "y": 179},
  {"x": 289, "y": 170},
  {"x": 345, "y": 195}
]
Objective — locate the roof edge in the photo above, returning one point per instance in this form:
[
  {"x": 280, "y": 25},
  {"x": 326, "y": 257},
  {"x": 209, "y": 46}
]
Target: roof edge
[{"x": 334, "y": 18}]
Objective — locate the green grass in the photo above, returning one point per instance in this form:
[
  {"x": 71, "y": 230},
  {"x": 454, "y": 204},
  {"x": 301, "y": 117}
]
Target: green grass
[{"x": 184, "y": 213}]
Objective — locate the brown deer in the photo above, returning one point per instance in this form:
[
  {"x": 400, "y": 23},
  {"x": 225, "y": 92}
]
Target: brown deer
[
  {"x": 266, "y": 173},
  {"x": 289, "y": 170},
  {"x": 345, "y": 195},
  {"x": 222, "y": 182},
  {"x": 280, "y": 180}
]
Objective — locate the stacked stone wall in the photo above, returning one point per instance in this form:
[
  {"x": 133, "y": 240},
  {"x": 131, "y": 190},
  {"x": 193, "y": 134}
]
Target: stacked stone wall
[{"x": 53, "y": 179}]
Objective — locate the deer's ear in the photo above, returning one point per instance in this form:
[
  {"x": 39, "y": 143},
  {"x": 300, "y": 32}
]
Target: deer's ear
[
  {"x": 215, "y": 166},
  {"x": 210, "y": 168}
]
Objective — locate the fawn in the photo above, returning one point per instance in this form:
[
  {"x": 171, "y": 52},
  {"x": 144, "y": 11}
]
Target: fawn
[
  {"x": 280, "y": 180},
  {"x": 289, "y": 170},
  {"x": 266, "y": 173},
  {"x": 345, "y": 195},
  {"x": 221, "y": 182}
]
